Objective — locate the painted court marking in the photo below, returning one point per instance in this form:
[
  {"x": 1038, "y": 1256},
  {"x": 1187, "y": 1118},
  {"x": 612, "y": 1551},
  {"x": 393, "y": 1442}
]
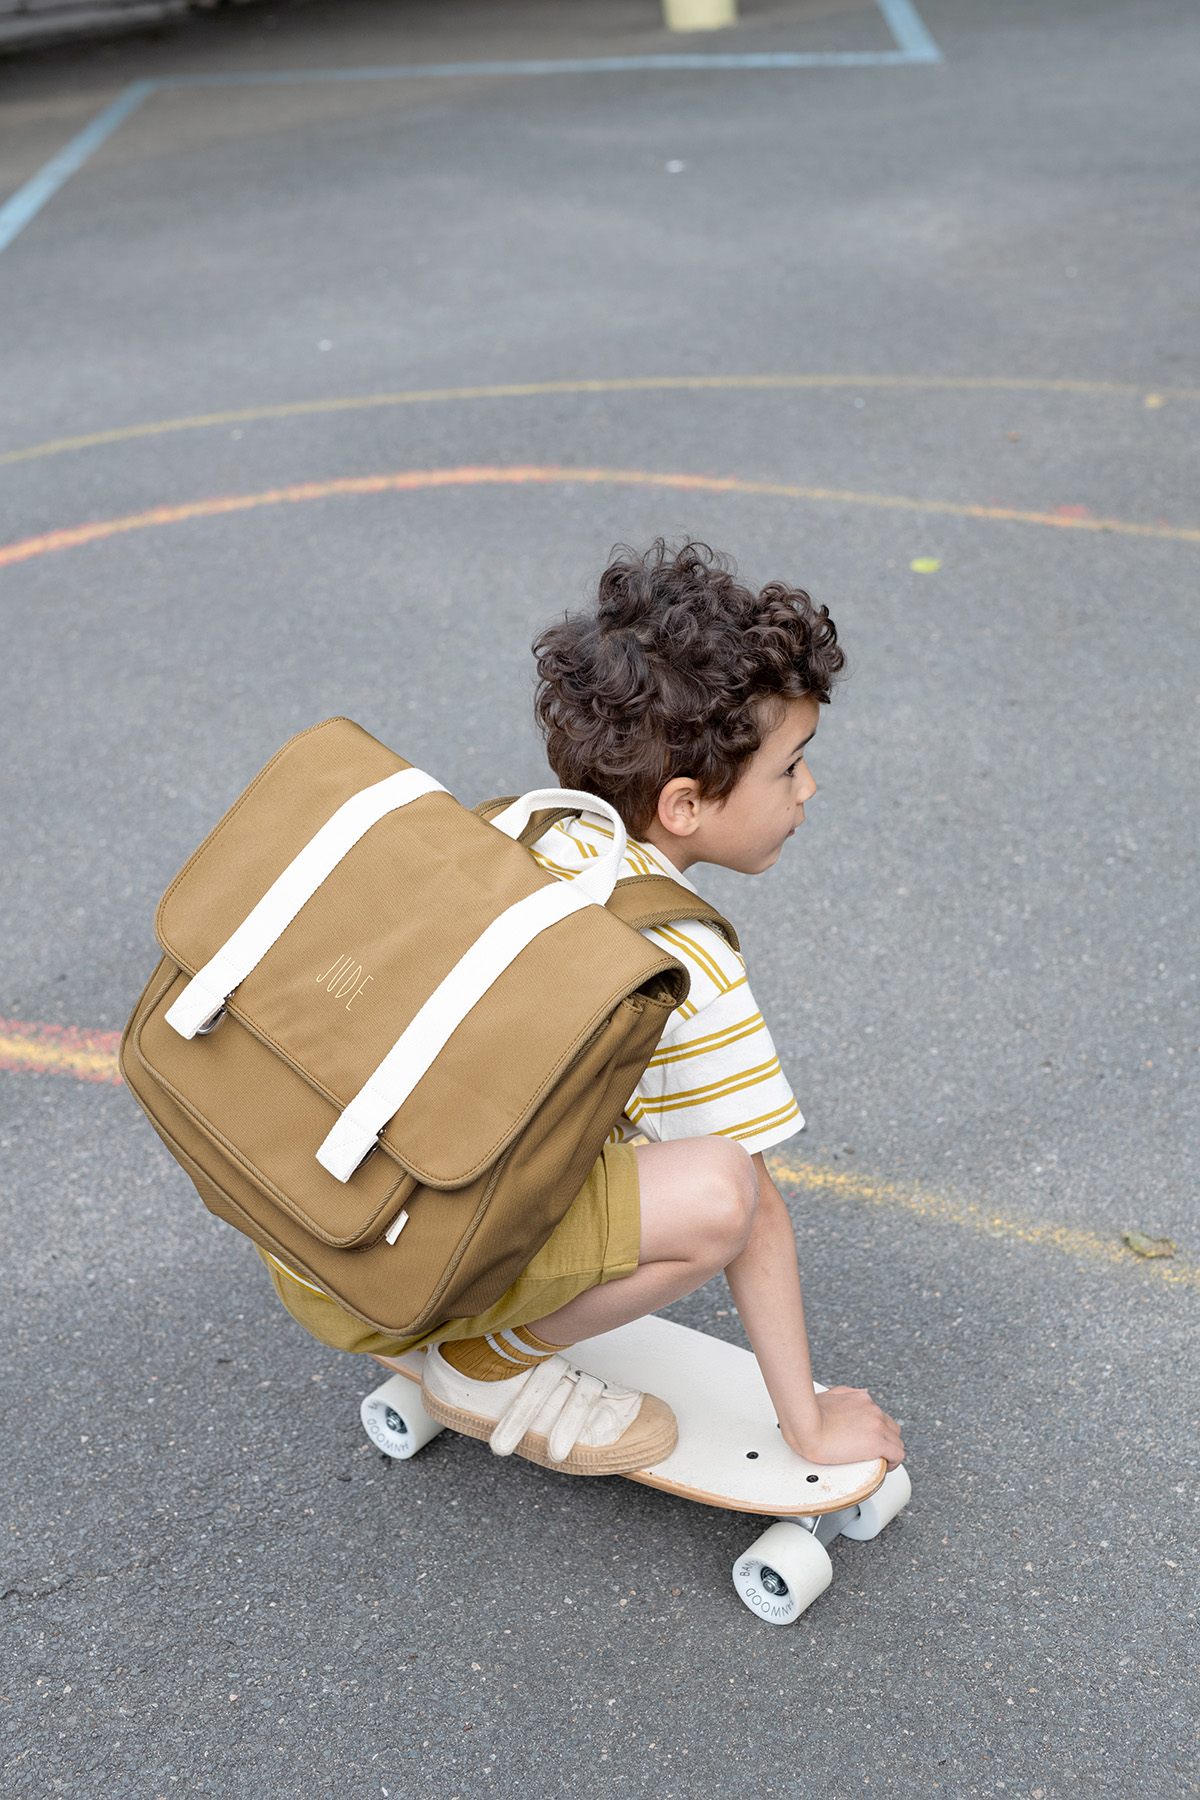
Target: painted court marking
[
  {"x": 631, "y": 384},
  {"x": 914, "y": 46},
  {"x": 408, "y": 480},
  {"x": 34, "y": 1048}
]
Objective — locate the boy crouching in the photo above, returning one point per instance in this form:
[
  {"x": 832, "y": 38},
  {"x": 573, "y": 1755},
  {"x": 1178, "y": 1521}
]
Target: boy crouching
[{"x": 687, "y": 702}]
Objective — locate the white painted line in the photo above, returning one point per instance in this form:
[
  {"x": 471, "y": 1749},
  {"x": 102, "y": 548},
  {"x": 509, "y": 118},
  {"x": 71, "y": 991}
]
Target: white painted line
[
  {"x": 29, "y": 200},
  {"x": 914, "y": 46},
  {"x": 908, "y": 28},
  {"x": 912, "y": 40},
  {"x": 583, "y": 65}
]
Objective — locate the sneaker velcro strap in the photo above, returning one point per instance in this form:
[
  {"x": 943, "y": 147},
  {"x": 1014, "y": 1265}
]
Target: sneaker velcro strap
[
  {"x": 565, "y": 1432},
  {"x": 519, "y": 1416}
]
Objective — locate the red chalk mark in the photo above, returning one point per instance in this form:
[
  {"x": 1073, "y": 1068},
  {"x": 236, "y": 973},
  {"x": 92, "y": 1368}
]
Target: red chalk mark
[
  {"x": 60, "y": 1050},
  {"x": 1075, "y": 518}
]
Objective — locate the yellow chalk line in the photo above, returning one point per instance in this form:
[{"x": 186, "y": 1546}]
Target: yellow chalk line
[
  {"x": 408, "y": 480},
  {"x": 634, "y": 384},
  {"x": 92, "y": 1056},
  {"x": 1075, "y": 1241}
]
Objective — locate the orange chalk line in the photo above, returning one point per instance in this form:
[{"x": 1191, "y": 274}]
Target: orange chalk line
[
  {"x": 60, "y": 1050},
  {"x": 633, "y": 384},
  {"x": 411, "y": 479}
]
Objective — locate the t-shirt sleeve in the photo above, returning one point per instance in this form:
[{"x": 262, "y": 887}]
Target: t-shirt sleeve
[{"x": 716, "y": 1070}]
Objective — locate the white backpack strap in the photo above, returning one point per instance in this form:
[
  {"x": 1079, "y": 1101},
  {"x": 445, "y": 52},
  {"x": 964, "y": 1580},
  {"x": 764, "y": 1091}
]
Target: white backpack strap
[
  {"x": 382, "y": 1096},
  {"x": 208, "y": 990},
  {"x": 418, "y": 1045}
]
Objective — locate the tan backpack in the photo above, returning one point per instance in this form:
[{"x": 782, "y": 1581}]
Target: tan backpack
[{"x": 382, "y": 1041}]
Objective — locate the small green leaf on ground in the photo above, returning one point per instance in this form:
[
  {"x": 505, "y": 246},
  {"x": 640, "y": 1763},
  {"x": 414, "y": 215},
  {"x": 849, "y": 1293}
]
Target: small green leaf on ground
[
  {"x": 925, "y": 565},
  {"x": 1147, "y": 1246}
]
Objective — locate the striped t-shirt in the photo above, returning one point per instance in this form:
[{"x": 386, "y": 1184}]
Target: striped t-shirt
[{"x": 715, "y": 1072}]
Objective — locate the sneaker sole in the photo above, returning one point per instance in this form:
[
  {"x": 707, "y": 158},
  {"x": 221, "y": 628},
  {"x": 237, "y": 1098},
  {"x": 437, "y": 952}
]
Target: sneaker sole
[{"x": 655, "y": 1426}]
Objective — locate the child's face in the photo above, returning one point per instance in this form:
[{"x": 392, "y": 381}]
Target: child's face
[{"x": 747, "y": 830}]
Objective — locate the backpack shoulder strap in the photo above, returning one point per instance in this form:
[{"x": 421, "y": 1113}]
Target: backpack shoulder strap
[
  {"x": 647, "y": 901},
  {"x": 640, "y": 901}
]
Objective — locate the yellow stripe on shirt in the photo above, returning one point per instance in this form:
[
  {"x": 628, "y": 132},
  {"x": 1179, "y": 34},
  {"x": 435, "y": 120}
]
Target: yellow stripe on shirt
[
  {"x": 716, "y": 1040},
  {"x": 767, "y": 1122},
  {"x": 553, "y": 868},
  {"x": 689, "y": 947},
  {"x": 633, "y": 855},
  {"x": 703, "y": 1096},
  {"x": 661, "y": 1107}
]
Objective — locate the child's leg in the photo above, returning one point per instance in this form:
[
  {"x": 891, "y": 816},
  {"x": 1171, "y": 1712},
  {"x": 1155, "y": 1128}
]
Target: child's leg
[
  {"x": 707, "y": 1206},
  {"x": 698, "y": 1200},
  {"x": 696, "y": 1203}
]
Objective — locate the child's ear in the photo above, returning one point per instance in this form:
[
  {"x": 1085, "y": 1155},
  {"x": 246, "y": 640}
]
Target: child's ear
[{"x": 679, "y": 806}]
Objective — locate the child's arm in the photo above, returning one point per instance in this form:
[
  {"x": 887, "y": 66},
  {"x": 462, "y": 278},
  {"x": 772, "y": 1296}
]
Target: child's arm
[{"x": 842, "y": 1425}]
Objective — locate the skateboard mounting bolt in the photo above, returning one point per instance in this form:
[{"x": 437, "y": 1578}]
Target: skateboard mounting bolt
[
  {"x": 812, "y": 1478},
  {"x": 752, "y": 1456}
]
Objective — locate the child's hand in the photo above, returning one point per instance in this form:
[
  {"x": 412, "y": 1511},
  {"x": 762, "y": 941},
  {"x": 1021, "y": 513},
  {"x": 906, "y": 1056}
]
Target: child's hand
[{"x": 848, "y": 1427}]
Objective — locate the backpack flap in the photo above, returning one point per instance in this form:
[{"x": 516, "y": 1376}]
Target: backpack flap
[{"x": 306, "y": 1029}]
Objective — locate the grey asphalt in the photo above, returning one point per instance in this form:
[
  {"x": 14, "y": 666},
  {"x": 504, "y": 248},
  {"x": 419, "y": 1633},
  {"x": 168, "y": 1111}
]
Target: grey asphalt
[{"x": 978, "y": 958}]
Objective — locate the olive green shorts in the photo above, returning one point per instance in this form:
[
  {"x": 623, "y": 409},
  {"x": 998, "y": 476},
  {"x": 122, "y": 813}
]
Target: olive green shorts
[{"x": 598, "y": 1240}]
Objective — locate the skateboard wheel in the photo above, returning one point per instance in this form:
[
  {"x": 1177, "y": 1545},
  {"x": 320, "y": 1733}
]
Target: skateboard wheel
[
  {"x": 395, "y": 1420},
  {"x": 782, "y": 1572},
  {"x": 882, "y": 1507}
]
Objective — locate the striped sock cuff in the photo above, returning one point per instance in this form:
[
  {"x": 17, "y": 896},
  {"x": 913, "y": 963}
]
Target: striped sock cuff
[
  {"x": 499, "y": 1355},
  {"x": 521, "y": 1347}
]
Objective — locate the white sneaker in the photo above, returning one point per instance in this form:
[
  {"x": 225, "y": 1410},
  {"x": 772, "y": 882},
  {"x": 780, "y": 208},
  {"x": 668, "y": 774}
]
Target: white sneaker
[{"x": 555, "y": 1415}]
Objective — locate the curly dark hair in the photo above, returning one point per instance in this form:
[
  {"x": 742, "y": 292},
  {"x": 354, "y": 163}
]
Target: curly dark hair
[{"x": 674, "y": 673}]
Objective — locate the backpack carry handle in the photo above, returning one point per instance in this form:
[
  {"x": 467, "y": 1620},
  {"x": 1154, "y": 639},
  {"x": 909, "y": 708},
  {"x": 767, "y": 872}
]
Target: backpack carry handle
[{"x": 600, "y": 879}]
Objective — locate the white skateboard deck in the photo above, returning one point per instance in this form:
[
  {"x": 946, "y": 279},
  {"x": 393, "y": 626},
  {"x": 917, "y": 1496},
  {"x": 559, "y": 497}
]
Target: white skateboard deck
[{"x": 731, "y": 1451}]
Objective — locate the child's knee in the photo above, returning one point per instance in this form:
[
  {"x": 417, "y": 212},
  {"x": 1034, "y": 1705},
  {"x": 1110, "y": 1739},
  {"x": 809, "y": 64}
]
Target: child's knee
[{"x": 730, "y": 1197}]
